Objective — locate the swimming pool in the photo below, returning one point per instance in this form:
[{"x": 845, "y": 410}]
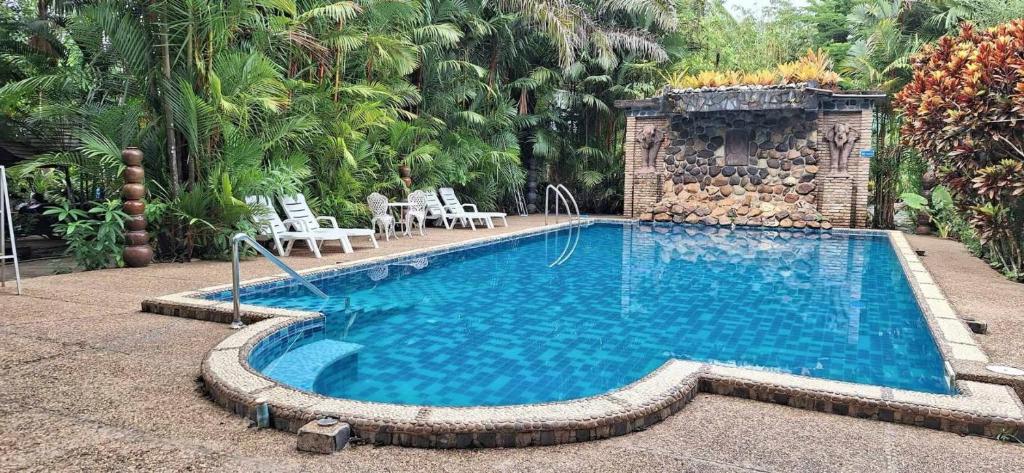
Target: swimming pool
[{"x": 495, "y": 325}]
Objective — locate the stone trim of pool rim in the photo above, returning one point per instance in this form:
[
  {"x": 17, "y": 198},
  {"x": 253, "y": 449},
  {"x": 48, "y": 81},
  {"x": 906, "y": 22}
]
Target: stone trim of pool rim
[{"x": 986, "y": 405}]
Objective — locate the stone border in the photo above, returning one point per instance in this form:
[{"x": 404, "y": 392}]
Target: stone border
[
  {"x": 979, "y": 408},
  {"x": 196, "y": 305},
  {"x": 965, "y": 359},
  {"x": 951, "y": 334}
]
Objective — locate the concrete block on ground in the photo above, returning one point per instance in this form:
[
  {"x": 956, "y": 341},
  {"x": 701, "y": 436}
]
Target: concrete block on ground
[{"x": 316, "y": 438}]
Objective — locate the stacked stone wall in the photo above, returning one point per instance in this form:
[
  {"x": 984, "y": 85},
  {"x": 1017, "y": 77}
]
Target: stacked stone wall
[
  {"x": 783, "y": 178},
  {"x": 767, "y": 178}
]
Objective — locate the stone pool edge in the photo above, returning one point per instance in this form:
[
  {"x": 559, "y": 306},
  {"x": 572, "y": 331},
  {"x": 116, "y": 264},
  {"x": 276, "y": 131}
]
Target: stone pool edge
[
  {"x": 962, "y": 354},
  {"x": 979, "y": 408},
  {"x": 194, "y": 305}
]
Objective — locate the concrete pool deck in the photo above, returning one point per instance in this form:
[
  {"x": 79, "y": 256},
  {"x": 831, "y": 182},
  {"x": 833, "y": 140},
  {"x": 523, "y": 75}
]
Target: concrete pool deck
[{"x": 89, "y": 382}]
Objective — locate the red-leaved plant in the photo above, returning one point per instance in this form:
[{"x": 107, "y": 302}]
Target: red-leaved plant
[{"x": 964, "y": 110}]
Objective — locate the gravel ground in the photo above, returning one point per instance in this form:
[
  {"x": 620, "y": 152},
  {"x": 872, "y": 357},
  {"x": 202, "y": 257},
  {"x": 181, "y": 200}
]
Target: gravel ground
[
  {"x": 978, "y": 291},
  {"x": 89, "y": 383}
]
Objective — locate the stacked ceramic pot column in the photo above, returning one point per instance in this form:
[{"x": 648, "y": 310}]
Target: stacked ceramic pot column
[
  {"x": 137, "y": 252},
  {"x": 406, "y": 174}
]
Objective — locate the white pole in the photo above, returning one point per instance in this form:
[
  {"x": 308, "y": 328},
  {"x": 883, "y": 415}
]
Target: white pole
[
  {"x": 6, "y": 220},
  {"x": 3, "y": 227}
]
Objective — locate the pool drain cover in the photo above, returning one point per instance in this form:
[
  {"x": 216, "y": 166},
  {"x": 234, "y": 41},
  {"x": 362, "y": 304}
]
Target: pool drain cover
[{"x": 1007, "y": 370}]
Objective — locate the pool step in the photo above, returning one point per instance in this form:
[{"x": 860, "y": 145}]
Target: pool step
[{"x": 301, "y": 366}]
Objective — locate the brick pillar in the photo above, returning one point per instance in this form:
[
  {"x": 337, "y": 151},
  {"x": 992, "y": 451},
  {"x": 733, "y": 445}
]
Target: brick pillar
[
  {"x": 642, "y": 188},
  {"x": 843, "y": 199}
]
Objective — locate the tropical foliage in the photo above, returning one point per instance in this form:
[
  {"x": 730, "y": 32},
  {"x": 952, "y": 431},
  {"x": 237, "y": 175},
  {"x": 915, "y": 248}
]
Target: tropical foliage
[
  {"x": 939, "y": 208},
  {"x": 876, "y": 39},
  {"x": 95, "y": 237},
  {"x": 713, "y": 38},
  {"x": 963, "y": 110},
  {"x": 814, "y": 67},
  {"x": 336, "y": 99},
  {"x": 339, "y": 99}
]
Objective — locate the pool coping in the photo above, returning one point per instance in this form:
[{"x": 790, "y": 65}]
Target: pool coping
[{"x": 980, "y": 408}]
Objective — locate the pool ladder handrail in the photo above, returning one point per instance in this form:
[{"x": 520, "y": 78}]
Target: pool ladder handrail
[
  {"x": 236, "y": 241},
  {"x": 562, "y": 193}
]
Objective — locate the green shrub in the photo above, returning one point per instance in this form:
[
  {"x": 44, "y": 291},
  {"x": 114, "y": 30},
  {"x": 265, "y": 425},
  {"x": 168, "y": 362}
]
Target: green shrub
[
  {"x": 95, "y": 238},
  {"x": 940, "y": 211},
  {"x": 963, "y": 111}
]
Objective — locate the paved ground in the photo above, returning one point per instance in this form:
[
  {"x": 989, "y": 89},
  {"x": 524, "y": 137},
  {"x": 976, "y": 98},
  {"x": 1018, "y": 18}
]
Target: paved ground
[
  {"x": 89, "y": 383},
  {"x": 979, "y": 292},
  {"x": 42, "y": 267}
]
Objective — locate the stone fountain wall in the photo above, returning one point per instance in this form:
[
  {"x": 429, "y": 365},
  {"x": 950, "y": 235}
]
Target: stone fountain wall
[
  {"x": 759, "y": 157},
  {"x": 766, "y": 176}
]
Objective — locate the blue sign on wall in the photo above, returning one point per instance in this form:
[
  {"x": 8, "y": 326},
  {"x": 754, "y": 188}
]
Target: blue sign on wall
[{"x": 867, "y": 153}]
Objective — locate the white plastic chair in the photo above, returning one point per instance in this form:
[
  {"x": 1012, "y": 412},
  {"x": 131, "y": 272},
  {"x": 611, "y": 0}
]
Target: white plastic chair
[
  {"x": 269, "y": 225},
  {"x": 296, "y": 208},
  {"x": 416, "y": 212},
  {"x": 452, "y": 201},
  {"x": 437, "y": 211},
  {"x": 382, "y": 218}
]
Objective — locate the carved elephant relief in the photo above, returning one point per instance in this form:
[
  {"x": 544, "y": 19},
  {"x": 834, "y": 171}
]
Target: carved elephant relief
[
  {"x": 841, "y": 139},
  {"x": 651, "y": 139}
]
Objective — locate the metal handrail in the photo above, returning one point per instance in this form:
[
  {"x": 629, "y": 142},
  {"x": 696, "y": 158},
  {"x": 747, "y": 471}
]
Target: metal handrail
[
  {"x": 561, "y": 193},
  {"x": 236, "y": 240},
  {"x": 573, "y": 199},
  {"x": 547, "y": 196}
]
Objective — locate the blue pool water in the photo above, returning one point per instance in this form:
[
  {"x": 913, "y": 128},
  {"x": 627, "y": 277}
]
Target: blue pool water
[{"x": 494, "y": 325}]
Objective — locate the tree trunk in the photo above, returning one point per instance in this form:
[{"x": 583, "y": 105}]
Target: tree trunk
[
  {"x": 493, "y": 69},
  {"x": 37, "y": 42},
  {"x": 885, "y": 171},
  {"x": 170, "y": 138},
  {"x": 337, "y": 64}
]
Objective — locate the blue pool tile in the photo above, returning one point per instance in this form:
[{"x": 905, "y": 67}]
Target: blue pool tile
[{"x": 494, "y": 324}]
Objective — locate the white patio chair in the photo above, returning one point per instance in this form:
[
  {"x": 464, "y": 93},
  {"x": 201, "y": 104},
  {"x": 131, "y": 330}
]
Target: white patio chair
[
  {"x": 296, "y": 208},
  {"x": 452, "y": 201},
  {"x": 270, "y": 226},
  {"x": 416, "y": 212},
  {"x": 382, "y": 218}
]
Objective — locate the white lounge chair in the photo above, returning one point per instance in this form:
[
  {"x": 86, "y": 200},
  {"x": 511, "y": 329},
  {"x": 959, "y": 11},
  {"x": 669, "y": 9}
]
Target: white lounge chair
[
  {"x": 296, "y": 208},
  {"x": 452, "y": 201},
  {"x": 437, "y": 211},
  {"x": 271, "y": 226}
]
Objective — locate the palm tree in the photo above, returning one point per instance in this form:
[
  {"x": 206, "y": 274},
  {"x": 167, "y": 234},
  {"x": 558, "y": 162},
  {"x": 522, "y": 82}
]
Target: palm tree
[{"x": 239, "y": 96}]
